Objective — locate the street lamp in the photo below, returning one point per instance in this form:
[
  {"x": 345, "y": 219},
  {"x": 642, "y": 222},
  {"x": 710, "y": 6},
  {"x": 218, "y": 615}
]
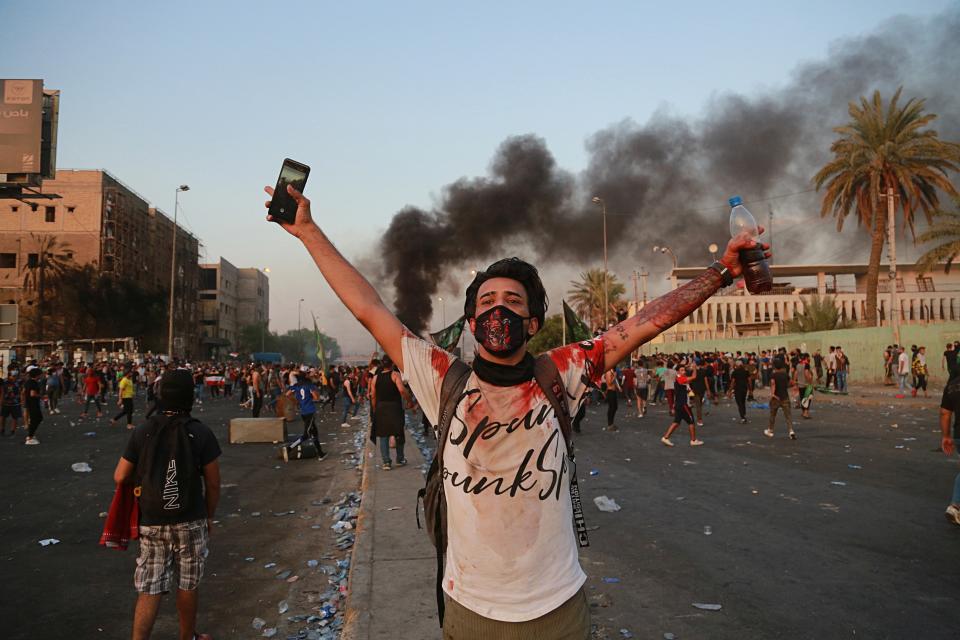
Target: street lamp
[
  {"x": 603, "y": 206},
  {"x": 443, "y": 314},
  {"x": 299, "y": 337},
  {"x": 713, "y": 248},
  {"x": 173, "y": 268},
  {"x": 667, "y": 250}
]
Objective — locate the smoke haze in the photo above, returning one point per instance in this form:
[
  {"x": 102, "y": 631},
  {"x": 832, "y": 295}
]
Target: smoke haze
[{"x": 667, "y": 180}]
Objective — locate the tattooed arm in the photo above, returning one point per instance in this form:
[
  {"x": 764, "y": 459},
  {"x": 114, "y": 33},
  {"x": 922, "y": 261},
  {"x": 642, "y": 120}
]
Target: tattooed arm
[{"x": 669, "y": 309}]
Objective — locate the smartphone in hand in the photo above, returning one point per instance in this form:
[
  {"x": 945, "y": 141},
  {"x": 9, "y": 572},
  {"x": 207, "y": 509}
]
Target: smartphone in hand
[{"x": 283, "y": 207}]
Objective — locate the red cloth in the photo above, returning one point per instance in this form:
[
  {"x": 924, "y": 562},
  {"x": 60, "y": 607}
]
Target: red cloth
[{"x": 123, "y": 519}]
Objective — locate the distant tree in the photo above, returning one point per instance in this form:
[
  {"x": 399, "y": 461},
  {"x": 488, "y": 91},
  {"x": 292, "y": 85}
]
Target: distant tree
[
  {"x": 819, "y": 314},
  {"x": 40, "y": 277},
  {"x": 885, "y": 148},
  {"x": 549, "y": 337},
  {"x": 586, "y": 296},
  {"x": 946, "y": 232}
]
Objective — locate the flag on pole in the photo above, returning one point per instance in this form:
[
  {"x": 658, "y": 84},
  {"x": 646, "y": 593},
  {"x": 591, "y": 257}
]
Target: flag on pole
[
  {"x": 577, "y": 331},
  {"x": 448, "y": 338},
  {"x": 321, "y": 352}
]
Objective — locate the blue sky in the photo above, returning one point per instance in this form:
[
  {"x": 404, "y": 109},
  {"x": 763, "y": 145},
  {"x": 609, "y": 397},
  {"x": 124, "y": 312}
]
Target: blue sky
[{"x": 387, "y": 102}]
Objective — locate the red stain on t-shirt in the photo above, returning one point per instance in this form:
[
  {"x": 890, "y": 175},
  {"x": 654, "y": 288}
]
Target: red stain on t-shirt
[
  {"x": 450, "y": 584},
  {"x": 440, "y": 361}
]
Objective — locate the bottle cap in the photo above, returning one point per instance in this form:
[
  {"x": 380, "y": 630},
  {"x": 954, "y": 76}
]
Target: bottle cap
[{"x": 735, "y": 200}]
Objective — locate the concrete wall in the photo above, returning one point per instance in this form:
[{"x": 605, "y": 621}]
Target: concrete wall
[{"x": 863, "y": 346}]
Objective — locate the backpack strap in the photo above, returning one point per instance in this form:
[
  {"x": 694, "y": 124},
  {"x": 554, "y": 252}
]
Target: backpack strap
[
  {"x": 548, "y": 377},
  {"x": 451, "y": 389}
]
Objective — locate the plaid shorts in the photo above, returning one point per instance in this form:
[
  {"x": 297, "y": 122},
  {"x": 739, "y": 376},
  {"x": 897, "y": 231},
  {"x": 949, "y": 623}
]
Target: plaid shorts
[{"x": 160, "y": 546}]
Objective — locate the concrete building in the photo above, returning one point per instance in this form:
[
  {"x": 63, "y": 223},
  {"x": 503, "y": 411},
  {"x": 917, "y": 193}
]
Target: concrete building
[
  {"x": 100, "y": 221},
  {"x": 734, "y": 312},
  {"x": 230, "y": 299}
]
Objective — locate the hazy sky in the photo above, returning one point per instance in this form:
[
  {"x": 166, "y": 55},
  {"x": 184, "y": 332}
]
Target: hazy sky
[{"x": 387, "y": 102}]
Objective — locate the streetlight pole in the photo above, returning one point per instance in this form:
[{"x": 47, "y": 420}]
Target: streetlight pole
[
  {"x": 443, "y": 314},
  {"x": 299, "y": 337},
  {"x": 173, "y": 268},
  {"x": 603, "y": 206}
]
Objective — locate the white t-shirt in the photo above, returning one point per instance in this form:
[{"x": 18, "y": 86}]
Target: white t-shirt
[
  {"x": 903, "y": 363},
  {"x": 669, "y": 378},
  {"x": 511, "y": 549}
]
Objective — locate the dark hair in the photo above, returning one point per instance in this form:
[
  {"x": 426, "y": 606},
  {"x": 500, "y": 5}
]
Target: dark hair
[{"x": 515, "y": 269}]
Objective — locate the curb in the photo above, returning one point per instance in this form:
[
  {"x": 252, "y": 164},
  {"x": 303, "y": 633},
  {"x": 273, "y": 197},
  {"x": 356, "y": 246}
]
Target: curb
[{"x": 356, "y": 624}]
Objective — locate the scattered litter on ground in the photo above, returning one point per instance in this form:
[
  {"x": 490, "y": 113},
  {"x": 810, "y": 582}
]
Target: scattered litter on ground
[
  {"x": 394, "y": 508},
  {"x": 838, "y": 483},
  {"x": 283, "y": 607},
  {"x": 81, "y": 467},
  {"x": 601, "y": 600},
  {"x": 103, "y": 514},
  {"x": 269, "y": 632},
  {"x": 312, "y": 563},
  {"x": 669, "y": 636},
  {"x": 626, "y": 633},
  {"x": 755, "y": 492},
  {"x": 283, "y": 575},
  {"x": 594, "y": 472},
  {"x": 899, "y": 446},
  {"x": 255, "y": 514},
  {"x": 908, "y": 439},
  {"x": 826, "y": 506},
  {"x": 708, "y": 530},
  {"x": 90, "y": 434},
  {"x": 895, "y": 425},
  {"x": 854, "y": 466},
  {"x": 259, "y": 623},
  {"x": 46, "y": 542},
  {"x": 249, "y": 559},
  {"x": 708, "y": 607},
  {"x": 606, "y": 504},
  {"x": 611, "y": 580},
  {"x": 270, "y": 565}
]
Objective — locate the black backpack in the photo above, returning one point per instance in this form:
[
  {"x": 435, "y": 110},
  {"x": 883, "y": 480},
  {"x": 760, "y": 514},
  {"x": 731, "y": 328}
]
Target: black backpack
[
  {"x": 166, "y": 469},
  {"x": 547, "y": 375}
]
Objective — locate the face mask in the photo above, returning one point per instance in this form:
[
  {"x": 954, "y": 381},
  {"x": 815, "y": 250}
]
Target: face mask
[{"x": 500, "y": 331}]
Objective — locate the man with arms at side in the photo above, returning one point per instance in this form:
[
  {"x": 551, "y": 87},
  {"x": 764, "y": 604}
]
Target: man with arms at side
[
  {"x": 174, "y": 531},
  {"x": 508, "y": 483}
]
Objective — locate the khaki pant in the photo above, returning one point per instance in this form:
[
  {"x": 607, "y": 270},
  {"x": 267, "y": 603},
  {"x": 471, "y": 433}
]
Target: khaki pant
[
  {"x": 777, "y": 403},
  {"x": 569, "y": 621}
]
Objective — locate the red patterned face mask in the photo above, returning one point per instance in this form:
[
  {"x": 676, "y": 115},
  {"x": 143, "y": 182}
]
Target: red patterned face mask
[{"x": 500, "y": 331}]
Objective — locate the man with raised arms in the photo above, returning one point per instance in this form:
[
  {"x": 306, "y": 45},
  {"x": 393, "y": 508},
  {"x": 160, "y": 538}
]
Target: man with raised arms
[{"x": 512, "y": 568}]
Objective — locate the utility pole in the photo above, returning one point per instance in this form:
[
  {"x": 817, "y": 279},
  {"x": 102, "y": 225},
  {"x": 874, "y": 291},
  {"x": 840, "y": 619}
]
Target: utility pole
[
  {"x": 771, "y": 231},
  {"x": 892, "y": 257},
  {"x": 635, "y": 276},
  {"x": 644, "y": 274}
]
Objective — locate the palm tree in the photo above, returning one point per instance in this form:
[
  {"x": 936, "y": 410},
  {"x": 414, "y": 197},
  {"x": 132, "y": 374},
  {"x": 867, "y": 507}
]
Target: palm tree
[
  {"x": 53, "y": 260},
  {"x": 586, "y": 295},
  {"x": 946, "y": 231},
  {"x": 819, "y": 313},
  {"x": 880, "y": 149}
]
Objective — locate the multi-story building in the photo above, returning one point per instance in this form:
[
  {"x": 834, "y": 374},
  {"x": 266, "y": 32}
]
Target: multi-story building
[
  {"x": 230, "y": 299},
  {"x": 97, "y": 220}
]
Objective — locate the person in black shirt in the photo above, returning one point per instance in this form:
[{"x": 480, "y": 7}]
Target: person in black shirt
[
  {"x": 780, "y": 398},
  {"x": 740, "y": 378},
  {"x": 180, "y": 539},
  {"x": 33, "y": 395},
  {"x": 682, "y": 412},
  {"x": 699, "y": 387}
]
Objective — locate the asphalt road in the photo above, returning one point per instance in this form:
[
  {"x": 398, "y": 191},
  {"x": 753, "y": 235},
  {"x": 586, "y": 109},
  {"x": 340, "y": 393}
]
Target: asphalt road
[
  {"x": 790, "y": 554},
  {"x": 76, "y": 589}
]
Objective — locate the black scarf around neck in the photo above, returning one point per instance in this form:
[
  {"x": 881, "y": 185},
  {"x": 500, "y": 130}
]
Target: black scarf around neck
[{"x": 504, "y": 375}]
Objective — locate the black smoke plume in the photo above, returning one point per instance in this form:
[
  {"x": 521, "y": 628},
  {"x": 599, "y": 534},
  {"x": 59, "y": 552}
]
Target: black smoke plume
[{"x": 668, "y": 180}]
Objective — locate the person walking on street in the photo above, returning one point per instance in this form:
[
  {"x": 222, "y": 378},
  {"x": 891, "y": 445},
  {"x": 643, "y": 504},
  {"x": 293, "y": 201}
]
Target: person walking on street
[
  {"x": 843, "y": 369},
  {"x": 780, "y": 398},
  {"x": 903, "y": 370},
  {"x": 681, "y": 409},
  {"x": 920, "y": 372},
  {"x": 126, "y": 392},
  {"x": 349, "y": 399},
  {"x": 32, "y": 399},
  {"x": 387, "y": 397},
  {"x": 740, "y": 379},
  {"x": 610, "y": 389},
  {"x": 54, "y": 388},
  {"x": 643, "y": 388},
  {"x": 256, "y": 390},
  {"x": 949, "y": 414},
  {"x": 179, "y": 489},
  {"x": 92, "y": 385},
  {"x": 806, "y": 382},
  {"x": 305, "y": 392},
  {"x": 12, "y": 406}
]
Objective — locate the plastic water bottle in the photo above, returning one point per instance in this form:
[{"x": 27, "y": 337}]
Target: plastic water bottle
[{"x": 756, "y": 270}]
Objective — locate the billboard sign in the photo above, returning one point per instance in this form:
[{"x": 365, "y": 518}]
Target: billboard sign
[{"x": 21, "y": 121}]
